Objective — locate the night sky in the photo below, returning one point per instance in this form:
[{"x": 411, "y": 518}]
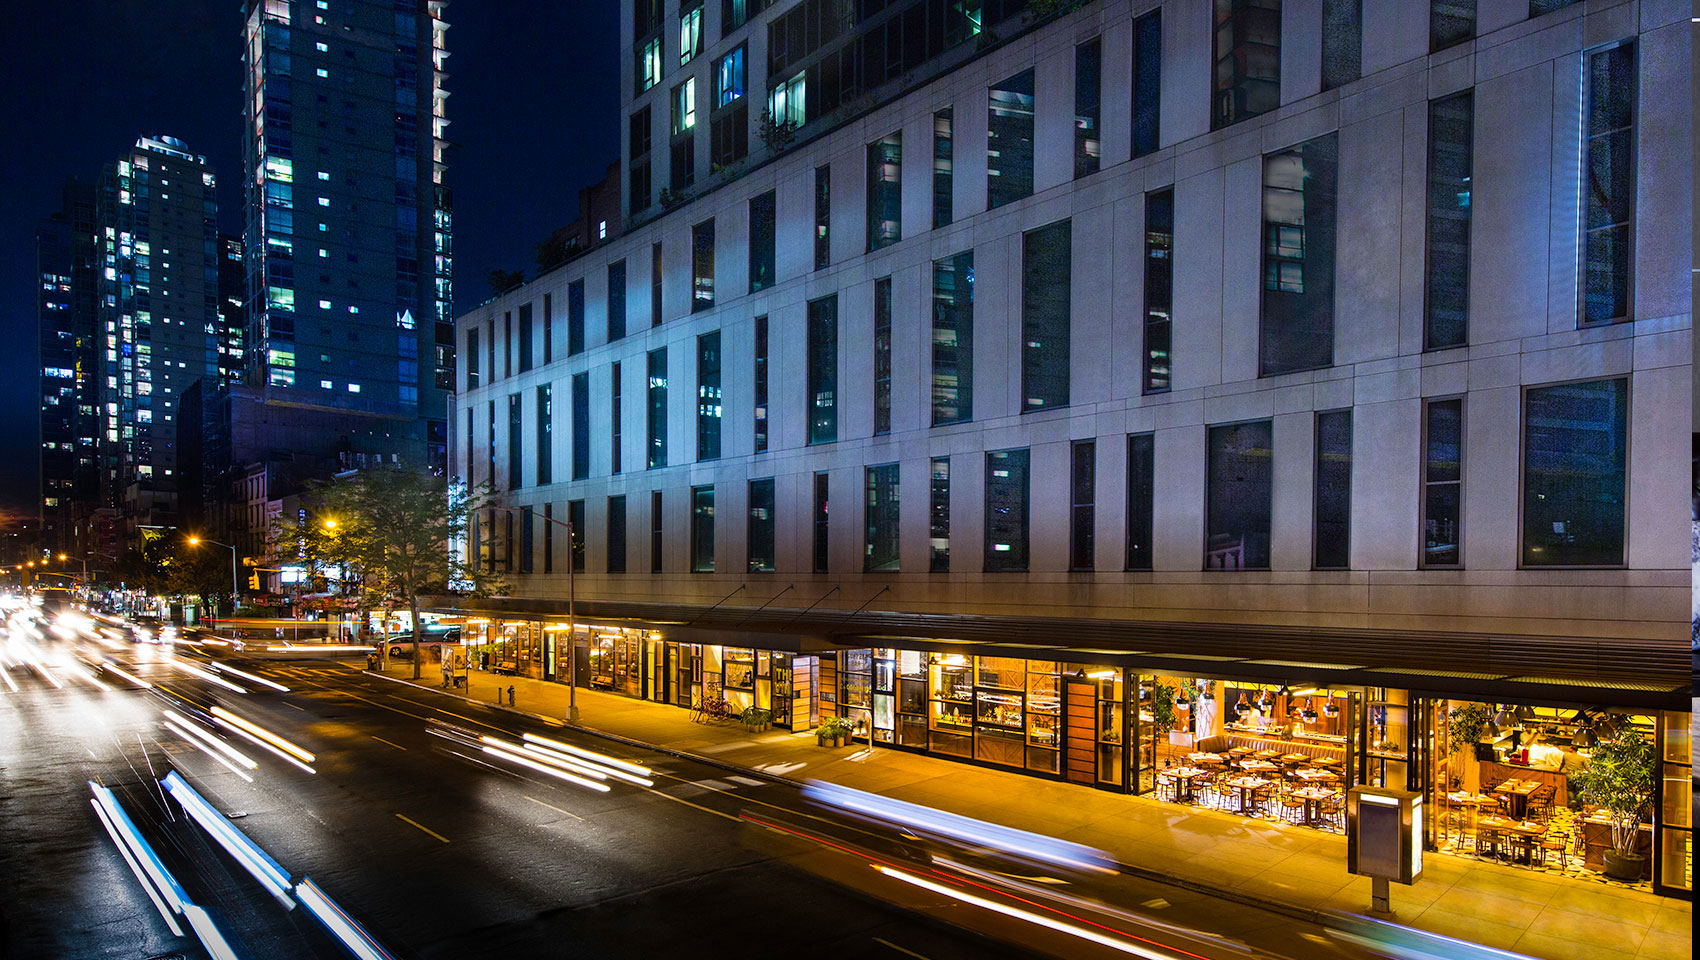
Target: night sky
[{"x": 533, "y": 111}]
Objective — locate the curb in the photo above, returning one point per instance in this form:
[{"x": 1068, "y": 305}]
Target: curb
[{"x": 1290, "y": 910}]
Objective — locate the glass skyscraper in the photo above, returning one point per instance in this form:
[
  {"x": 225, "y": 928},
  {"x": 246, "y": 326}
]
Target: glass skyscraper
[{"x": 348, "y": 227}]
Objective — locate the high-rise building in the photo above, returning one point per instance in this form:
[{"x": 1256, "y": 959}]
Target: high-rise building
[
  {"x": 65, "y": 298},
  {"x": 158, "y": 307},
  {"x": 348, "y": 226},
  {"x": 1072, "y": 387}
]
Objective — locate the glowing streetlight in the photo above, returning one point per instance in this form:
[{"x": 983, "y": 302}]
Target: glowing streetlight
[{"x": 235, "y": 590}]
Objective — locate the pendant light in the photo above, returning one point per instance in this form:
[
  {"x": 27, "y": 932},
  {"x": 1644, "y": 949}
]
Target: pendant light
[
  {"x": 1504, "y": 719},
  {"x": 1207, "y": 694},
  {"x": 1181, "y": 699},
  {"x": 1330, "y": 708},
  {"x": 1584, "y": 738},
  {"x": 1308, "y": 712}
]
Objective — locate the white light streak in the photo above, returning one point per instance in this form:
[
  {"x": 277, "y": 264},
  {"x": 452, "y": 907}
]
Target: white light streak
[
  {"x": 641, "y": 771},
  {"x": 207, "y": 675},
  {"x": 221, "y": 668},
  {"x": 356, "y": 939},
  {"x": 544, "y": 768},
  {"x": 244, "y": 850},
  {"x": 138, "y": 681}
]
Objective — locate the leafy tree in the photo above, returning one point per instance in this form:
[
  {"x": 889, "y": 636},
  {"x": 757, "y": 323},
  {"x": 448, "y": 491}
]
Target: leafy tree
[
  {"x": 393, "y": 532},
  {"x": 199, "y": 571},
  {"x": 501, "y": 281}
]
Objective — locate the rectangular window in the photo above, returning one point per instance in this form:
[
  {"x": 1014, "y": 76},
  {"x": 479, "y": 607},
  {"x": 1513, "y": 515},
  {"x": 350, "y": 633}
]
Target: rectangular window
[
  {"x": 1141, "y": 499},
  {"x": 823, "y": 217},
  {"x": 1248, "y": 60},
  {"x": 472, "y": 359},
  {"x": 516, "y": 450},
  {"x": 729, "y": 78},
  {"x": 684, "y": 163},
  {"x": 685, "y": 106},
  {"x": 1046, "y": 254},
  {"x": 944, "y": 168},
  {"x": 581, "y": 426},
  {"x": 508, "y": 541},
  {"x": 729, "y": 136},
  {"x": 1608, "y": 177},
  {"x": 1240, "y": 492},
  {"x": 690, "y": 35},
  {"x": 492, "y": 350},
  {"x": 953, "y": 339},
  {"x": 1333, "y": 507},
  {"x": 1298, "y": 257},
  {"x": 507, "y": 344},
  {"x": 490, "y": 410},
  {"x": 470, "y": 447},
  {"x": 1147, "y": 82},
  {"x": 760, "y": 533},
  {"x": 1575, "y": 457},
  {"x": 822, "y": 528},
  {"x": 1083, "y": 517},
  {"x": 1443, "y": 483},
  {"x": 548, "y": 328},
  {"x": 787, "y": 103},
  {"x": 823, "y": 369},
  {"x": 1342, "y": 42},
  {"x": 655, "y": 284},
  {"x": 763, "y": 218},
  {"x": 545, "y": 434},
  {"x": 880, "y": 554},
  {"x": 640, "y": 185},
  {"x": 702, "y": 266},
  {"x": 575, "y": 318},
  {"x": 882, "y": 356},
  {"x": 614, "y": 419},
  {"x": 648, "y": 64},
  {"x": 1088, "y": 84},
  {"x": 527, "y": 542},
  {"x": 1451, "y": 121},
  {"x": 708, "y": 396},
  {"x": 575, "y": 534},
  {"x": 524, "y": 337},
  {"x": 655, "y": 541},
  {"x": 657, "y": 445},
  {"x": 1009, "y": 141},
  {"x": 617, "y": 534},
  {"x": 1450, "y": 22},
  {"x": 938, "y": 516},
  {"x": 760, "y": 364},
  {"x": 1006, "y": 511},
  {"x": 702, "y": 529},
  {"x": 1159, "y": 289},
  {"x": 616, "y": 300},
  {"x": 638, "y": 132},
  {"x": 885, "y": 191},
  {"x": 548, "y": 538}
]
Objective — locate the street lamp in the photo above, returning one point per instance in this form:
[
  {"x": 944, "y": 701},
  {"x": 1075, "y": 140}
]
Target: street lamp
[
  {"x": 572, "y": 621},
  {"x": 197, "y": 541}
]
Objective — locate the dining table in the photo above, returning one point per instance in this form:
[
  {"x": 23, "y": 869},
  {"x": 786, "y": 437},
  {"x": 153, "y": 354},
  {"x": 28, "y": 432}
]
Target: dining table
[
  {"x": 1184, "y": 777},
  {"x": 1203, "y": 758},
  {"x": 1314, "y": 798},
  {"x": 1315, "y": 775},
  {"x": 1287, "y": 759},
  {"x": 1248, "y": 785},
  {"x": 1521, "y": 835},
  {"x": 1266, "y": 754},
  {"x": 1516, "y": 793},
  {"x": 1257, "y": 766},
  {"x": 1472, "y": 804}
]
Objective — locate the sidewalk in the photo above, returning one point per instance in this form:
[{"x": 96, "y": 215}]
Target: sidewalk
[{"x": 1299, "y": 868}]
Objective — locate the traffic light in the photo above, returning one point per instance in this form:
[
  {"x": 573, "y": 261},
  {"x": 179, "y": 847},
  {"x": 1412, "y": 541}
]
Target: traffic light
[{"x": 254, "y": 581}]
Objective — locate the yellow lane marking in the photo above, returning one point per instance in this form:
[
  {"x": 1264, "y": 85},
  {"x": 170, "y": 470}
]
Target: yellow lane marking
[
  {"x": 426, "y": 829},
  {"x": 558, "y": 809},
  {"x": 382, "y": 740},
  {"x": 668, "y": 796}
]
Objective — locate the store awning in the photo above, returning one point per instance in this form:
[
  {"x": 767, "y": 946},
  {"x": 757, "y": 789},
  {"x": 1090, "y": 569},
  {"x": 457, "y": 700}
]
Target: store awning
[{"x": 1605, "y": 671}]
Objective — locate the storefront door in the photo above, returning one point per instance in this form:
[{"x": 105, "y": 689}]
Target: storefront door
[{"x": 1080, "y": 741}]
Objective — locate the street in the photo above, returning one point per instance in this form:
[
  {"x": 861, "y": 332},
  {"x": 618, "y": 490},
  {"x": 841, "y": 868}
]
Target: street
[{"x": 440, "y": 849}]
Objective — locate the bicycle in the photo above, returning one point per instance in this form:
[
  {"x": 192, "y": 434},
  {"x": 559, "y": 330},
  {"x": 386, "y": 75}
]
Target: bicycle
[{"x": 704, "y": 710}]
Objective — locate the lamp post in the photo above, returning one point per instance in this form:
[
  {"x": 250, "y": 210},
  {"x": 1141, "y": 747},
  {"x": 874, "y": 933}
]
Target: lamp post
[
  {"x": 572, "y": 621},
  {"x": 234, "y": 582}
]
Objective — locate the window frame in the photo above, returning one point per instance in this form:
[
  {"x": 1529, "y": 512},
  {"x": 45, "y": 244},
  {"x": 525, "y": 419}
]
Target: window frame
[
  {"x": 1523, "y": 467},
  {"x": 700, "y": 564},
  {"x": 1634, "y": 185},
  {"x": 1316, "y": 483},
  {"x": 1462, "y": 481}
]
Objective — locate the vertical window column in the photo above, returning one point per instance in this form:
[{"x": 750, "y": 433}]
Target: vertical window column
[
  {"x": 1297, "y": 332},
  {"x": 885, "y": 191},
  {"x": 617, "y": 534},
  {"x": 1443, "y": 483},
  {"x": 657, "y": 419},
  {"x": 708, "y": 396},
  {"x": 575, "y": 534},
  {"x": 545, "y": 434},
  {"x": 581, "y": 426},
  {"x": 1141, "y": 499},
  {"x": 616, "y": 461},
  {"x": 1147, "y": 82},
  {"x": 575, "y": 318},
  {"x": 1006, "y": 510},
  {"x": 763, "y": 220},
  {"x": 1240, "y": 492},
  {"x": 953, "y": 339},
  {"x": 1083, "y": 481},
  {"x": 1575, "y": 460},
  {"x": 1248, "y": 60},
  {"x": 1009, "y": 141},
  {"x": 655, "y": 541},
  {"x": 1088, "y": 87},
  {"x": 616, "y": 300},
  {"x": 760, "y": 364},
  {"x": 655, "y": 317},
  {"x": 1608, "y": 178},
  {"x": 760, "y": 532},
  {"x": 823, "y": 217},
  {"x": 938, "y": 516},
  {"x": 881, "y": 509},
  {"x": 702, "y": 266},
  {"x": 823, "y": 369},
  {"x": 822, "y": 525},
  {"x": 1046, "y": 258},
  {"x": 1332, "y": 549},
  {"x": 1450, "y": 145},
  {"x": 882, "y": 356},
  {"x": 702, "y": 529},
  {"x": 516, "y": 449},
  {"x": 944, "y": 167},
  {"x": 1159, "y": 289}
]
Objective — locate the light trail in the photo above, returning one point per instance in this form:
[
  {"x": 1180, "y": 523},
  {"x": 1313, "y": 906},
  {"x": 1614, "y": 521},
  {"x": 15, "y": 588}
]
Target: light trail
[
  {"x": 222, "y": 668},
  {"x": 138, "y": 681},
  {"x": 255, "y": 860},
  {"x": 601, "y": 758},
  {"x": 207, "y": 675},
  {"x": 545, "y": 768},
  {"x": 339, "y": 923}
]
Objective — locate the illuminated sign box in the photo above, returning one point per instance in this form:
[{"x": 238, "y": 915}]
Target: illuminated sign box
[{"x": 1384, "y": 833}]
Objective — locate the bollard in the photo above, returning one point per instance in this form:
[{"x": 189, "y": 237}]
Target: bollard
[{"x": 510, "y": 695}]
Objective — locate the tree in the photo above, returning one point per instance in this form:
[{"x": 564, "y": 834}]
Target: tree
[
  {"x": 501, "y": 281},
  {"x": 394, "y": 530}
]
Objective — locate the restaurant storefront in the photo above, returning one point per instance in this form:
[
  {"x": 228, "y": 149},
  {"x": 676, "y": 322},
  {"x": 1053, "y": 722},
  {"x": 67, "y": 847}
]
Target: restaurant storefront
[{"x": 1271, "y": 748}]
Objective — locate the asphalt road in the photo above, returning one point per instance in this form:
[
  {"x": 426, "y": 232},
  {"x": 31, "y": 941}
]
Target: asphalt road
[{"x": 437, "y": 848}]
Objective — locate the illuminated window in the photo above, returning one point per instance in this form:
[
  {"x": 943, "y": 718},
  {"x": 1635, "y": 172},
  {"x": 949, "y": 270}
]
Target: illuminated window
[{"x": 690, "y": 35}]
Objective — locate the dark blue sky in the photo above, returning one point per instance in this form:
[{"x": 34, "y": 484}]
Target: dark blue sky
[{"x": 533, "y": 110}]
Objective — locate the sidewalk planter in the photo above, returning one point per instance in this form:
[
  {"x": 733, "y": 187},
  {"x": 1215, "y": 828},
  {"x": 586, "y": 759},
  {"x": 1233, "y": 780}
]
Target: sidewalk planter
[
  {"x": 833, "y": 732},
  {"x": 756, "y": 720}
]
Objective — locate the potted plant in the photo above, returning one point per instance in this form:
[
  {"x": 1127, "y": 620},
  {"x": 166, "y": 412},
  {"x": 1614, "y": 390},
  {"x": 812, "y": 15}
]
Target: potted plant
[
  {"x": 755, "y": 719},
  {"x": 832, "y": 731},
  {"x": 1619, "y": 780}
]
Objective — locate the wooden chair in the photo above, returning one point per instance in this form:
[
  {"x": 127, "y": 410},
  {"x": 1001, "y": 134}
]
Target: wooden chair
[
  {"x": 1292, "y": 808},
  {"x": 1334, "y": 815},
  {"x": 1487, "y": 842},
  {"x": 1555, "y": 842}
]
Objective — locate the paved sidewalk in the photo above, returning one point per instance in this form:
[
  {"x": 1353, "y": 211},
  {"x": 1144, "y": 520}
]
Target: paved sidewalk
[{"x": 1300, "y": 868}]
